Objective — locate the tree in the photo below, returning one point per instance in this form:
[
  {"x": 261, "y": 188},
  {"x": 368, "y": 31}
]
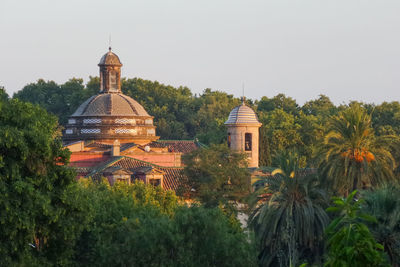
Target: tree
[
  {"x": 213, "y": 111},
  {"x": 3, "y": 94},
  {"x": 41, "y": 211},
  {"x": 173, "y": 108},
  {"x": 216, "y": 175},
  {"x": 311, "y": 132},
  {"x": 264, "y": 148},
  {"x": 352, "y": 156},
  {"x": 280, "y": 101},
  {"x": 386, "y": 115},
  {"x": 115, "y": 215},
  {"x": 290, "y": 223},
  {"x": 349, "y": 241},
  {"x": 140, "y": 225},
  {"x": 60, "y": 100},
  {"x": 384, "y": 205},
  {"x": 281, "y": 130},
  {"x": 321, "y": 107}
]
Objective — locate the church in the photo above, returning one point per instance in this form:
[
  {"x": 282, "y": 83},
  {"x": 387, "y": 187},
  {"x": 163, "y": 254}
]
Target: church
[{"x": 111, "y": 135}]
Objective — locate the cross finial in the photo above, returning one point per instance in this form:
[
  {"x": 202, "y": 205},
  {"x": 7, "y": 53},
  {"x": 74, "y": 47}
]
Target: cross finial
[{"x": 109, "y": 43}]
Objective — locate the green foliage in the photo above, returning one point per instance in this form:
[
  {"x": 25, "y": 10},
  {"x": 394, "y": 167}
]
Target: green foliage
[
  {"x": 386, "y": 118},
  {"x": 352, "y": 156},
  {"x": 290, "y": 223},
  {"x": 139, "y": 225},
  {"x": 216, "y": 175},
  {"x": 213, "y": 112},
  {"x": 3, "y": 94},
  {"x": 321, "y": 107},
  {"x": 61, "y": 100},
  {"x": 172, "y": 107},
  {"x": 349, "y": 241},
  {"x": 384, "y": 205},
  {"x": 41, "y": 213},
  {"x": 181, "y": 115},
  {"x": 280, "y": 101}
]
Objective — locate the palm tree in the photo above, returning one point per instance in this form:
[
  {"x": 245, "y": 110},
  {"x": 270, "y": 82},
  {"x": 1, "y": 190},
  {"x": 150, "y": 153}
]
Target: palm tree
[
  {"x": 352, "y": 157},
  {"x": 289, "y": 226},
  {"x": 384, "y": 205}
]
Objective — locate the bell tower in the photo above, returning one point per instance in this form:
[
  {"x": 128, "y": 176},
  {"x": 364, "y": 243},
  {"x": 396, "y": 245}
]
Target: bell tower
[
  {"x": 243, "y": 132},
  {"x": 110, "y": 73}
]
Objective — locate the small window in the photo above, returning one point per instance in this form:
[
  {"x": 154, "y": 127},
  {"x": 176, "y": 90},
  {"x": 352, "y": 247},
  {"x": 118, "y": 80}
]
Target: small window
[
  {"x": 113, "y": 82},
  {"x": 155, "y": 182},
  {"x": 229, "y": 139},
  {"x": 91, "y": 121},
  {"x": 247, "y": 142}
]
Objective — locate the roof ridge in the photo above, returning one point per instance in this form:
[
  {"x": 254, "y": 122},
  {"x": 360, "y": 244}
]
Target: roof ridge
[
  {"x": 170, "y": 140},
  {"x": 104, "y": 166},
  {"x": 129, "y": 103},
  {"x": 155, "y": 165},
  {"x": 88, "y": 104},
  {"x": 109, "y": 108}
]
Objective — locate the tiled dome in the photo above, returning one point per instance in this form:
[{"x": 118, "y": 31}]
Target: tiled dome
[
  {"x": 242, "y": 114},
  {"x": 110, "y": 105},
  {"x": 110, "y": 115},
  {"x": 110, "y": 59}
]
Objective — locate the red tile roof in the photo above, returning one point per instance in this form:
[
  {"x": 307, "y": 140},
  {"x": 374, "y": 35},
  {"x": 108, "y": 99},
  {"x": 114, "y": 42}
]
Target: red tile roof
[{"x": 173, "y": 177}]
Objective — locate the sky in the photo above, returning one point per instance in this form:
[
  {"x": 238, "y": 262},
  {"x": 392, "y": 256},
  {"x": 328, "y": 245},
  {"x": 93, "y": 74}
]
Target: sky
[{"x": 345, "y": 49}]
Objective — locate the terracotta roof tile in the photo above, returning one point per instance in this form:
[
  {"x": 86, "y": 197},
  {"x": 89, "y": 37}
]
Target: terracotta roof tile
[
  {"x": 183, "y": 146},
  {"x": 173, "y": 177},
  {"x": 127, "y": 146},
  {"x": 106, "y": 104},
  {"x": 98, "y": 145}
]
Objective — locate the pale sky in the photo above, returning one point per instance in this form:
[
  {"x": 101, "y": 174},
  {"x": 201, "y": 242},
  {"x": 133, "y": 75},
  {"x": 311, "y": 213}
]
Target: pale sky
[{"x": 345, "y": 49}]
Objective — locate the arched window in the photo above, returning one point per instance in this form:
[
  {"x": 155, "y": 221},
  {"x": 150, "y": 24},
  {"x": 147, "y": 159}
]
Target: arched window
[
  {"x": 229, "y": 139},
  {"x": 113, "y": 81},
  {"x": 247, "y": 142}
]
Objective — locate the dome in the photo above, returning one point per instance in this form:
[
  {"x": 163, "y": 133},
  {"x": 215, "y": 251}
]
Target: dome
[
  {"x": 110, "y": 59},
  {"x": 242, "y": 114},
  {"x": 110, "y": 115},
  {"x": 115, "y": 104}
]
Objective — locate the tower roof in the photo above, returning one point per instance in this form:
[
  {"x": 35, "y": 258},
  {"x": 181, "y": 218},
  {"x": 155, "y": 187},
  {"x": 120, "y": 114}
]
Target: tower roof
[
  {"x": 110, "y": 58},
  {"x": 110, "y": 115},
  {"x": 110, "y": 105},
  {"x": 242, "y": 114}
]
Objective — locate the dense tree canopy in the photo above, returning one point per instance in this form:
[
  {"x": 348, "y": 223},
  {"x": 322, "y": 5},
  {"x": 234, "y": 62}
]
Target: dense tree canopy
[
  {"x": 40, "y": 214},
  {"x": 139, "y": 225},
  {"x": 179, "y": 114},
  {"x": 216, "y": 175},
  {"x": 49, "y": 219}
]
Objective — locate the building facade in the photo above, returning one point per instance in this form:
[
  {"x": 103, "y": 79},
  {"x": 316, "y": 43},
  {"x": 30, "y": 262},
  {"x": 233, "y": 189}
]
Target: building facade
[
  {"x": 243, "y": 132},
  {"x": 111, "y": 135}
]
